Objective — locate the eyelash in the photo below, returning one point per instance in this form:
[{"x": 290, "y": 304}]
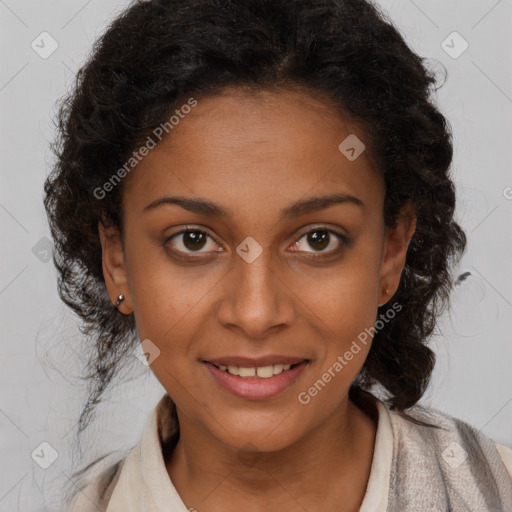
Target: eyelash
[{"x": 344, "y": 241}]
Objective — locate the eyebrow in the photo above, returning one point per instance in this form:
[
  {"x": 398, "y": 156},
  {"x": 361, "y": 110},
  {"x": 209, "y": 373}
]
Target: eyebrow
[{"x": 301, "y": 207}]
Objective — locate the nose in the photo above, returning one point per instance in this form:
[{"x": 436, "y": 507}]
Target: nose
[{"x": 256, "y": 300}]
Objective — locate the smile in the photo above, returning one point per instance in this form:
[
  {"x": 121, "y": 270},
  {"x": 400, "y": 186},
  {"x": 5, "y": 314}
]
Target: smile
[{"x": 256, "y": 382}]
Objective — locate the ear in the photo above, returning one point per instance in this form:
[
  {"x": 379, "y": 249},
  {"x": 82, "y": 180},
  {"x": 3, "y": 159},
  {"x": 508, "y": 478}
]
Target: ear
[
  {"x": 114, "y": 268},
  {"x": 396, "y": 243}
]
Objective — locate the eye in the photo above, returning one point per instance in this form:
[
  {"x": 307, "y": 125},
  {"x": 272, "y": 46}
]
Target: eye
[
  {"x": 320, "y": 239},
  {"x": 190, "y": 240}
]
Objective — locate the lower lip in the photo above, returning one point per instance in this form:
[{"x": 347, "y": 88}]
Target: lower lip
[{"x": 256, "y": 388}]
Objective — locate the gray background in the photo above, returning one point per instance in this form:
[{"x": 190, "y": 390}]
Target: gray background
[{"x": 41, "y": 394}]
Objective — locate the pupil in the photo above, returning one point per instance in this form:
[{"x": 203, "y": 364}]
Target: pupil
[
  {"x": 316, "y": 238},
  {"x": 196, "y": 238}
]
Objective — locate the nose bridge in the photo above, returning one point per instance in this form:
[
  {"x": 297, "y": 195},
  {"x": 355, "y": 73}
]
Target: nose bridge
[
  {"x": 256, "y": 276},
  {"x": 257, "y": 301}
]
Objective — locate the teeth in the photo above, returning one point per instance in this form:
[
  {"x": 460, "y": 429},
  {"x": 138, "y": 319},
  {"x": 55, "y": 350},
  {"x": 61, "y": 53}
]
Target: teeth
[
  {"x": 246, "y": 372},
  {"x": 233, "y": 370},
  {"x": 263, "y": 372}
]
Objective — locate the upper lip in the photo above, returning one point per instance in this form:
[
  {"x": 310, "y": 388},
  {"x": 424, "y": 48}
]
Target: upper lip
[{"x": 249, "y": 362}]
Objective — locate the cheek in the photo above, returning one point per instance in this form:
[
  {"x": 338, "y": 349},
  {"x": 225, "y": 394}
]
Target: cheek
[
  {"x": 346, "y": 303},
  {"x": 161, "y": 292},
  {"x": 346, "y": 296},
  {"x": 346, "y": 319},
  {"x": 170, "y": 301},
  {"x": 168, "y": 309},
  {"x": 350, "y": 315}
]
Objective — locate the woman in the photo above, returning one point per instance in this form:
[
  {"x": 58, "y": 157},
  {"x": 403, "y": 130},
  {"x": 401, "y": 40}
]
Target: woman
[{"x": 255, "y": 195}]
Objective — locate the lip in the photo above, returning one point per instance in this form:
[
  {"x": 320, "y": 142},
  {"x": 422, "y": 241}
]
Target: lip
[
  {"x": 250, "y": 362},
  {"x": 256, "y": 388}
]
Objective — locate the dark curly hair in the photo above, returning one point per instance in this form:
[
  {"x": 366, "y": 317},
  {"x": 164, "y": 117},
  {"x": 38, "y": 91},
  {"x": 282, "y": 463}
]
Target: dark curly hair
[{"x": 157, "y": 53}]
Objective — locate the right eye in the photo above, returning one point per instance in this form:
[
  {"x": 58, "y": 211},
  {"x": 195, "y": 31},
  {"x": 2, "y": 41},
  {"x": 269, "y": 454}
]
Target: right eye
[{"x": 189, "y": 241}]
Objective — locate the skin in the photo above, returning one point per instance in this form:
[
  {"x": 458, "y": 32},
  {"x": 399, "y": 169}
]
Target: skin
[{"x": 256, "y": 155}]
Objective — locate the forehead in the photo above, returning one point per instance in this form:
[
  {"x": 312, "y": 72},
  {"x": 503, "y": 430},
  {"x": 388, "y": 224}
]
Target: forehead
[{"x": 260, "y": 148}]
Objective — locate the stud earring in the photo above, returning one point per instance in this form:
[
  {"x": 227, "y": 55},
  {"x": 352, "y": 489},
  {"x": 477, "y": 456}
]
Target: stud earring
[
  {"x": 387, "y": 293},
  {"x": 119, "y": 300}
]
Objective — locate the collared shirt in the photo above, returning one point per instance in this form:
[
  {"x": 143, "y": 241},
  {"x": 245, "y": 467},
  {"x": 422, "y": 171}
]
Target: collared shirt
[{"x": 140, "y": 482}]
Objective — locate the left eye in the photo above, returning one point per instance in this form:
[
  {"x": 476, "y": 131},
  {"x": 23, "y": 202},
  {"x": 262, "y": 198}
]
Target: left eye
[{"x": 322, "y": 238}]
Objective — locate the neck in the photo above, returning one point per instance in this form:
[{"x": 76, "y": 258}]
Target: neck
[{"x": 332, "y": 460}]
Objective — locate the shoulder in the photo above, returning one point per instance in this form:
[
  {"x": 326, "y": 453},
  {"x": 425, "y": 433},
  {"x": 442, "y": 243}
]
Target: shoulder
[
  {"x": 434, "y": 450},
  {"x": 93, "y": 490},
  {"x": 437, "y": 429},
  {"x": 506, "y": 456}
]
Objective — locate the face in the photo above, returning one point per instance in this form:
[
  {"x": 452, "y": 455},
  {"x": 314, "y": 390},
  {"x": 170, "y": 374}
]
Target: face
[{"x": 266, "y": 278}]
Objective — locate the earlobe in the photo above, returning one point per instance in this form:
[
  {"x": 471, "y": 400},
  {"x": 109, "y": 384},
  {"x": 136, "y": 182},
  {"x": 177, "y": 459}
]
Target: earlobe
[
  {"x": 114, "y": 269},
  {"x": 395, "y": 251},
  {"x": 386, "y": 291}
]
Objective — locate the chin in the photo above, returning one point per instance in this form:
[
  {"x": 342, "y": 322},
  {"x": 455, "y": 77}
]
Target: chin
[{"x": 250, "y": 433}]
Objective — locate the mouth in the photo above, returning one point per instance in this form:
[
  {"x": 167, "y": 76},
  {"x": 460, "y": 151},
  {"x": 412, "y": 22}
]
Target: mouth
[{"x": 256, "y": 382}]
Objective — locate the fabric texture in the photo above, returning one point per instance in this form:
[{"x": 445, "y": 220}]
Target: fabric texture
[
  {"x": 415, "y": 468},
  {"x": 455, "y": 468}
]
